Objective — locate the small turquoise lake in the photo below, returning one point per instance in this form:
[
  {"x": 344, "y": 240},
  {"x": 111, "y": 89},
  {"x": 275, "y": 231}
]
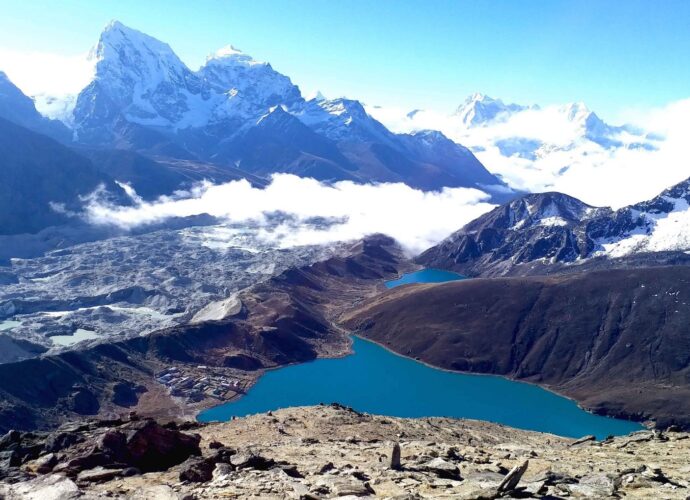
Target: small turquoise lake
[
  {"x": 425, "y": 276},
  {"x": 375, "y": 380}
]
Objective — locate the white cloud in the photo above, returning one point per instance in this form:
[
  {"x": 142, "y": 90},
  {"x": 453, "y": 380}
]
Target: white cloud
[
  {"x": 38, "y": 73},
  {"x": 568, "y": 162},
  {"x": 415, "y": 218}
]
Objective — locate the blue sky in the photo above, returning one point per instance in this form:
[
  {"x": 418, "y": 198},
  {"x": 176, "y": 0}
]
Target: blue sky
[{"x": 613, "y": 55}]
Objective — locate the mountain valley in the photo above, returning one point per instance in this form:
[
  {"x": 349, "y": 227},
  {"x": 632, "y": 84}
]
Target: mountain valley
[{"x": 172, "y": 239}]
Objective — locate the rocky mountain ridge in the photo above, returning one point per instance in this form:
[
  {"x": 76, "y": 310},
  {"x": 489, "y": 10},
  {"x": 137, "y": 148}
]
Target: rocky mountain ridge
[{"x": 536, "y": 231}]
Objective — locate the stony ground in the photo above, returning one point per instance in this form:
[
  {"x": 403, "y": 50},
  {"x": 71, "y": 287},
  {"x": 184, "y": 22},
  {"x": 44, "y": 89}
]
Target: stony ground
[{"x": 332, "y": 451}]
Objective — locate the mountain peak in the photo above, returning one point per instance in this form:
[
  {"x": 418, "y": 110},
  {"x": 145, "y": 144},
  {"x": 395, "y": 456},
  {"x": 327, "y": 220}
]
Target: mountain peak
[
  {"x": 479, "y": 110},
  {"x": 115, "y": 32},
  {"x": 316, "y": 96},
  {"x": 227, "y": 50},
  {"x": 479, "y": 97},
  {"x": 122, "y": 46},
  {"x": 230, "y": 55},
  {"x": 576, "y": 111}
]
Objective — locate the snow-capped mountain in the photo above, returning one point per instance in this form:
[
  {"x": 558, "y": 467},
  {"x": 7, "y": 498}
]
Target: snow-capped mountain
[
  {"x": 343, "y": 120},
  {"x": 246, "y": 82},
  {"x": 141, "y": 80},
  {"x": 546, "y": 229},
  {"x": 481, "y": 110},
  {"x": 238, "y": 112},
  {"x": 533, "y": 148}
]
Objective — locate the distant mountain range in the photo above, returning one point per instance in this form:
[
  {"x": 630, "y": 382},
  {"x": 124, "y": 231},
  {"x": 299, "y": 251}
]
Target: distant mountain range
[
  {"x": 528, "y": 146},
  {"x": 235, "y": 112},
  {"x": 551, "y": 230}
]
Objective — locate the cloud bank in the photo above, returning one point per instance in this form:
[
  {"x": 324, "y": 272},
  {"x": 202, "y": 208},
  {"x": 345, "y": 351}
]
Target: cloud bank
[
  {"x": 37, "y": 73},
  {"x": 415, "y": 218},
  {"x": 568, "y": 162}
]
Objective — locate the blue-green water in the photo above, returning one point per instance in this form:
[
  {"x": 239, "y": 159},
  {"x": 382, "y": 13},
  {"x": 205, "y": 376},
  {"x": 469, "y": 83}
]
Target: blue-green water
[
  {"x": 425, "y": 276},
  {"x": 375, "y": 380}
]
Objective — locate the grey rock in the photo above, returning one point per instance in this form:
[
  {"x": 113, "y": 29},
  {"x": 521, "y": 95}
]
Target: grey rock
[
  {"x": 595, "y": 485},
  {"x": 98, "y": 475},
  {"x": 222, "y": 471},
  {"x": 342, "y": 487},
  {"x": 50, "y": 487},
  {"x": 197, "y": 470},
  {"x": 395, "y": 457},
  {"x": 513, "y": 477},
  {"x": 247, "y": 460},
  {"x": 584, "y": 439},
  {"x": 45, "y": 464},
  {"x": 442, "y": 468}
]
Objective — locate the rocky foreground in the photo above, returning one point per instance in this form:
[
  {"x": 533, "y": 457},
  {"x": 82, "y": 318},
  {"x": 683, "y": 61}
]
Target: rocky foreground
[{"x": 333, "y": 451}]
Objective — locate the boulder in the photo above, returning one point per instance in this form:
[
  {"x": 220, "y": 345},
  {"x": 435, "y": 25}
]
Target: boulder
[
  {"x": 247, "y": 460},
  {"x": 98, "y": 475},
  {"x": 50, "y": 487},
  {"x": 222, "y": 471},
  {"x": 44, "y": 464},
  {"x": 59, "y": 441},
  {"x": 152, "y": 447},
  {"x": 289, "y": 469},
  {"x": 9, "y": 459},
  {"x": 595, "y": 485},
  {"x": 343, "y": 487},
  {"x": 10, "y": 440},
  {"x": 89, "y": 460},
  {"x": 442, "y": 469},
  {"x": 197, "y": 470},
  {"x": 21, "y": 446},
  {"x": 114, "y": 444},
  {"x": 224, "y": 455}
]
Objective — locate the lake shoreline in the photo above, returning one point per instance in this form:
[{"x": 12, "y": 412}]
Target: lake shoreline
[
  {"x": 435, "y": 277},
  {"x": 648, "y": 424},
  {"x": 304, "y": 384}
]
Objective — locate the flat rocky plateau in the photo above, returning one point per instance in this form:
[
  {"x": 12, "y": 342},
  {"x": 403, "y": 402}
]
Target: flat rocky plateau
[{"x": 333, "y": 451}]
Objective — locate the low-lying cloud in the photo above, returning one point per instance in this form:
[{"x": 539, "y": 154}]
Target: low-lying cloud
[
  {"x": 602, "y": 176},
  {"x": 415, "y": 218}
]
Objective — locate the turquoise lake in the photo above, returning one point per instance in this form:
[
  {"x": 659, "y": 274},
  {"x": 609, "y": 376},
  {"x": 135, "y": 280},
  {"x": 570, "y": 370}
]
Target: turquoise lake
[
  {"x": 425, "y": 276},
  {"x": 375, "y": 380}
]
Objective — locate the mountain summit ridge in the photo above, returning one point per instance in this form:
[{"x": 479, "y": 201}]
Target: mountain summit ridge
[
  {"x": 540, "y": 230},
  {"x": 144, "y": 98}
]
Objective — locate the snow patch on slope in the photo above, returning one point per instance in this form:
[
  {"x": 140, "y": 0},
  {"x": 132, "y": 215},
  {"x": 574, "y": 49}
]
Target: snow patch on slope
[{"x": 661, "y": 232}]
